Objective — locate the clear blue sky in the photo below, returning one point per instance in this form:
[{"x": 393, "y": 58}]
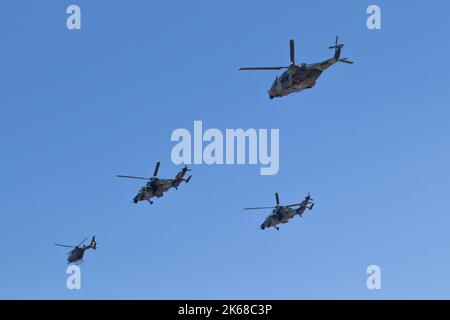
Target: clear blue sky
[{"x": 370, "y": 142}]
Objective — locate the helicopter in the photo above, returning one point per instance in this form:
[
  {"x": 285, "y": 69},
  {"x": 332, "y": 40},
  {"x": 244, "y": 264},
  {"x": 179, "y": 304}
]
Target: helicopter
[
  {"x": 155, "y": 187},
  {"x": 282, "y": 214},
  {"x": 77, "y": 253},
  {"x": 302, "y": 76}
]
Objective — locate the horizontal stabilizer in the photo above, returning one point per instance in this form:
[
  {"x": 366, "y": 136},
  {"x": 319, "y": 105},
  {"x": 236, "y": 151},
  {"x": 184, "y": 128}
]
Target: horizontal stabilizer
[{"x": 346, "y": 60}]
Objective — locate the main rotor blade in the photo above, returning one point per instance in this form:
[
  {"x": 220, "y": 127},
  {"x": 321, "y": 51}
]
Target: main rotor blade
[
  {"x": 258, "y": 208},
  {"x": 131, "y": 177},
  {"x": 264, "y": 68},
  {"x": 277, "y": 199},
  {"x": 292, "y": 51},
  {"x": 82, "y": 242},
  {"x": 63, "y": 245},
  {"x": 155, "y": 173}
]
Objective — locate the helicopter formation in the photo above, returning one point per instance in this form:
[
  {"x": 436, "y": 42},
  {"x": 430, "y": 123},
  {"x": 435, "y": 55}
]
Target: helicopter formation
[
  {"x": 155, "y": 187},
  {"x": 296, "y": 78}
]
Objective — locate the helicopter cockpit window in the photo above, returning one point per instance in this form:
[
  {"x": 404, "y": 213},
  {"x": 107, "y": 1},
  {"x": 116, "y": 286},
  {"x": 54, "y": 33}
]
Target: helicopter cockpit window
[
  {"x": 285, "y": 78},
  {"x": 275, "y": 82}
]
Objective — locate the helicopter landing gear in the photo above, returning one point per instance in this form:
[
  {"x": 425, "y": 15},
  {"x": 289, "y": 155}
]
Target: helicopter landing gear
[{"x": 151, "y": 202}]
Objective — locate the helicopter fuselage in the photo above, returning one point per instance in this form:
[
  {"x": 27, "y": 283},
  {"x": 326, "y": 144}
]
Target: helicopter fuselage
[
  {"x": 298, "y": 78},
  {"x": 279, "y": 215},
  {"x": 154, "y": 188},
  {"x": 76, "y": 255},
  {"x": 283, "y": 214}
]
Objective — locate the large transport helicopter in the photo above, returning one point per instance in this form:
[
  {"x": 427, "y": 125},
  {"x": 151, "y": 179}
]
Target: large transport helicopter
[
  {"x": 76, "y": 254},
  {"x": 155, "y": 187},
  {"x": 302, "y": 76},
  {"x": 282, "y": 214}
]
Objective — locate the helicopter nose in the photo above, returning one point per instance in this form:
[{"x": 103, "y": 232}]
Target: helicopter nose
[{"x": 273, "y": 92}]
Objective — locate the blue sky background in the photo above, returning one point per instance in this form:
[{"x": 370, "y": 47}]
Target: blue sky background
[{"x": 370, "y": 142}]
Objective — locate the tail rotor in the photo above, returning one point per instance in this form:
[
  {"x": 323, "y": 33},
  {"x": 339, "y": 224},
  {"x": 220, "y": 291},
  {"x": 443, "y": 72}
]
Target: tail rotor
[
  {"x": 337, "y": 52},
  {"x": 184, "y": 170},
  {"x": 336, "y": 44},
  {"x": 93, "y": 243},
  {"x": 309, "y": 201}
]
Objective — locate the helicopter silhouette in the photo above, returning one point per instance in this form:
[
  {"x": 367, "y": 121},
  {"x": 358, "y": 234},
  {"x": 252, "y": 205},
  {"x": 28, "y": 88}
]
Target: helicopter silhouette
[
  {"x": 77, "y": 253},
  {"x": 155, "y": 187},
  {"x": 282, "y": 214},
  {"x": 302, "y": 76}
]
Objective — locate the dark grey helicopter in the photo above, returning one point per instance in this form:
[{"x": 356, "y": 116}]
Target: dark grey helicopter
[
  {"x": 302, "y": 76},
  {"x": 77, "y": 253}
]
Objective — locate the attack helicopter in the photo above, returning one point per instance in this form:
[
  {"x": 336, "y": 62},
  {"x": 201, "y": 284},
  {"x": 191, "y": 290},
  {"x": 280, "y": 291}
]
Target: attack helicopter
[
  {"x": 282, "y": 214},
  {"x": 302, "y": 76},
  {"x": 155, "y": 187},
  {"x": 77, "y": 253}
]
